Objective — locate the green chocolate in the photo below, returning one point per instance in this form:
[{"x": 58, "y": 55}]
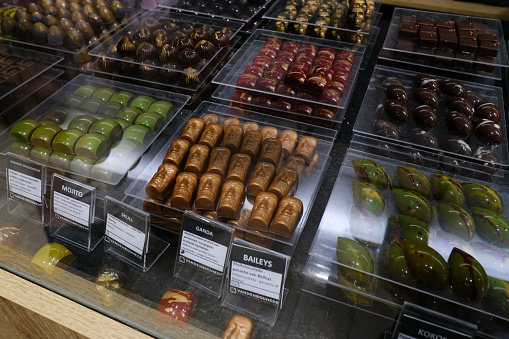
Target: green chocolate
[
  {"x": 468, "y": 277},
  {"x": 138, "y": 134},
  {"x": 110, "y": 109},
  {"x": 22, "y": 130},
  {"x": 81, "y": 165},
  {"x": 447, "y": 189},
  {"x": 91, "y": 105},
  {"x": 43, "y": 135},
  {"x": 413, "y": 180},
  {"x": 123, "y": 123},
  {"x": 74, "y": 101},
  {"x": 60, "y": 160},
  {"x": 492, "y": 225},
  {"x": 372, "y": 172},
  {"x": 143, "y": 102},
  {"x": 482, "y": 196},
  {"x": 355, "y": 260},
  {"x": 129, "y": 114},
  {"x": 412, "y": 204},
  {"x": 21, "y": 149},
  {"x": 396, "y": 265},
  {"x": 456, "y": 220},
  {"x": 162, "y": 107},
  {"x": 40, "y": 154},
  {"x": 85, "y": 91},
  {"x": 57, "y": 114},
  {"x": 107, "y": 127},
  {"x": 82, "y": 123},
  {"x": 122, "y": 97},
  {"x": 414, "y": 229},
  {"x": 368, "y": 197},
  {"x": 426, "y": 264},
  {"x": 150, "y": 120},
  {"x": 65, "y": 140},
  {"x": 104, "y": 94},
  {"x": 92, "y": 145}
]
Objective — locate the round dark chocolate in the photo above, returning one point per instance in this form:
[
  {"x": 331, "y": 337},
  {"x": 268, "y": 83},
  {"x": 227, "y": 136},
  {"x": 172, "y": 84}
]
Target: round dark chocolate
[
  {"x": 184, "y": 42},
  {"x": 453, "y": 88},
  {"x": 142, "y": 35},
  {"x": 126, "y": 47},
  {"x": 220, "y": 39},
  {"x": 450, "y": 164},
  {"x": 397, "y": 111},
  {"x": 425, "y": 116},
  {"x": 168, "y": 53},
  {"x": 490, "y": 111},
  {"x": 146, "y": 51},
  {"x": 127, "y": 67},
  {"x": 461, "y": 105},
  {"x": 189, "y": 57},
  {"x": 488, "y": 131},
  {"x": 205, "y": 48},
  {"x": 458, "y": 146},
  {"x": 474, "y": 98},
  {"x": 424, "y": 138},
  {"x": 169, "y": 73},
  {"x": 426, "y": 81},
  {"x": 459, "y": 124},
  {"x": 148, "y": 70},
  {"x": 187, "y": 28},
  {"x": 397, "y": 92},
  {"x": 386, "y": 129},
  {"x": 199, "y": 34},
  {"x": 426, "y": 96},
  {"x": 487, "y": 158},
  {"x": 161, "y": 38}
]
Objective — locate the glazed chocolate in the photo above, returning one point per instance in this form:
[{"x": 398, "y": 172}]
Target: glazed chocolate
[
  {"x": 231, "y": 200},
  {"x": 297, "y": 163},
  {"x": 239, "y": 327},
  {"x": 211, "y": 118},
  {"x": 458, "y": 145},
  {"x": 211, "y": 136},
  {"x": 474, "y": 98},
  {"x": 397, "y": 92},
  {"x": 284, "y": 183},
  {"x": 426, "y": 96},
  {"x": 251, "y": 143},
  {"x": 490, "y": 111},
  {"x": 193, "y": 130},
  {"x": 459, "y": 124},
  {"x": 177, "y": 152},
  {"x": 424, "y": 138},
  {"x": 397, "y": 111},
  {"x": 183, "y": 192},
  {"x": 426, "y": 81},
  {"x": 233, "y": 135},
  {"x": 306, "y": 149},
  {"x": 287, "y": 217},
  {"x": 386, "y": 129},
  {"x": 288, "y": 141},
  {"x": 219, "y": 161},
  {"x": 250, "y": 126},
  {"x": 488, "y": 131},
  {"x": 271, "y": 151},
  {"x": 197, "y": 159},
  {"x": 269, "y": 132},
  {"x": 162, "y": 181},
  {"x": 488, "y": 158},
  {"x": 453, "y": 88},
  {"x": 261, "y": 178},
  {"x": 387, "y": 81},
  {"x": 425, "y": 116},
  {"x": 264, "y": 207},
  {"x": 151, "y": 205},
  {"x": 176, "y": 304},
  {"x": 461, "y": 105},
  {"x": 240, "y": 166},
  {"x": 208, "y": 191}
]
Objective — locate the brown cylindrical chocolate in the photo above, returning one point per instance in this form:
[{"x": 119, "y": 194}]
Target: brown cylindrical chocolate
[
  {"x": 251, "y": 144},
  {"x": 210, "y": 118},
  {"x": 250, "y": 126},
  {"x": 212, "y": 135},
  {"x": 162, "y": 181},
  {"x": 261, "y": 178},
  {"x": 312, "y": 166},
  {"x": 233, "y": 137},
  {"x": 208, "y": 191},
  {"x": 177, "y": 152},
  {"x": 285, "y": 182},
  {"x": 185, "y": 186},
  {"x": 297, "y": 163},
  {"x": 231, "y": 200},
  {"x": 239, "y": 327},
  {"x": 198, "y": 157},
  {"x": 211, "y": 215},
  {"x": 193, "y": 130},
  {"x": 288, "y": 141},
  {"x": 231, "y": 121},
  {"x": 264, "y": 209},
  {"x": 219, "y": 161},
  {"x": 306, "y": 149},
  {"x": 151, "y": 205},
  {"x": 269, "y": 132},
  {"x": 287, "y": 217},
  {"x": 241, "y": 223},
  {"x": 271, "y": 151},
  {"x": 240, "y": 166}
]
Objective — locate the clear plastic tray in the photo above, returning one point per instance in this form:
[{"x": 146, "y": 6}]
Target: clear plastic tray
[
  {"x": 114, "y": 165},
  {"x": 338, "y": 222},
  {"x": 249, "y": 50},
  {"x": 492, "y": 25},
  {"x": 104, "y": 49},
  {"x": 376, "y": 96},
  {"x": 307, "y": 188}
]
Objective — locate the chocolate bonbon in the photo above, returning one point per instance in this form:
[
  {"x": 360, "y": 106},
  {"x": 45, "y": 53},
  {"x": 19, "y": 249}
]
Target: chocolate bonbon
[
  {"x": 231, "y": 200},
  {"x": 240, "y": 166},
  {"x": 208, "y": 191},
  {"x": 183, "y": 192},
  {"x": 162, "y": 181},
  {"x": 263, "y": 211},
  {"x": 261, "y": 178},
  {"x": 285, "y": 181}
]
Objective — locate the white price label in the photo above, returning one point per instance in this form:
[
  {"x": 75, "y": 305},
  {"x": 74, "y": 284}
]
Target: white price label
[
  {"x": 125, "y": 234},
  {"x": 204, "y": 251},
  {"x": 25, "y": 185},
  {"x": 256, "y": 280},
  {"x": 71, "y": 208}
]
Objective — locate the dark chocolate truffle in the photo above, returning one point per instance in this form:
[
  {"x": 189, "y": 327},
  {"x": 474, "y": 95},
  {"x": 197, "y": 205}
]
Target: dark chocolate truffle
[
  {"x": 453, "y": 88},
  {"x": 458, "y": 146},
  {"x": 189, "y": 57},
  {"x": 385, "y": 128},
  {"x": 397, "y": 92},
  {"x": 425, "y": 116},
  {"x": 397, "y": 110},
  {"x": 426, "y": 81},
  {"x": 461, "y": 105},
  {"x": 424, "y": 138},
  {"x": 488, "y": 131},
  {"x": 427, "y": 96},
  {"x": 487, "y": 158},
  {"x": 488, "y": 110},
  {"x": 474, "y": 98},
  {"x": 459, "y": 124}
]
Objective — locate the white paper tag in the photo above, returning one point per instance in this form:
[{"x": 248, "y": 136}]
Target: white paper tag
[
  {"x": 203, "y": 251},
  {"x": 25, "y": 185},
  {"x": 125, "y": 234},
  {"x": 256, "y": 280},
  {"x": 71, "y": 208}
]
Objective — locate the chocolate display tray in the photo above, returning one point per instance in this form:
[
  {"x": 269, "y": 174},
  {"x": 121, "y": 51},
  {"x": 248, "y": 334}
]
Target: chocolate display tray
[
  {"x": 104, "y": 49},
  {"x": 375, "y": 96},
  {"x": 118, "y": 168},
  {"x": 308, "y": 186},
  {"x": 249, "y": 50},
  {"x": 336, "y": 223},
  {"x": 494, "y": 26}
]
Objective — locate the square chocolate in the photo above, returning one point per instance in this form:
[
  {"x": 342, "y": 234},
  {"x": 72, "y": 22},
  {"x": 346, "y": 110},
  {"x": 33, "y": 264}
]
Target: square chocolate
[
  {"x": 428, "y": 40},
  {"x": 487, "y": 37},
  {"x": 466, "y": 34},
  {"x": 485, "y": 64},
  {"x": 465, "y": 26},
  {"x": 408, "y": 31},
  {"x": 463, "y": 62},
  {"x": 467, "y": 45},
  {"x": 426, "y": 22},
  {"x": 489, "y": 48},
  {"x": 443, "y": 58},
  {"x": 424, "y": 55},
  {"x": 443, "y": 30},
  {"x": 409, "y": 19},
  {"x": 428, "y": 29},
  {"x": 445, "y": 24},
  {"x": 448, "y": 41},
  {"x": 480, "y": 28},
  {"x": 404, "y": 46},
  {"x": 31, "y": 64}
]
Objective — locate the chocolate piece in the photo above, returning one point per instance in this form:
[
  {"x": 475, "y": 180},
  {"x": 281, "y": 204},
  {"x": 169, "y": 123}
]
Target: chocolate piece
[
  {"x": 162, "y": 181},
  {"x": 183, "y": 192},
  {"x": 488, "y": 131},
  {"x": 443, "y": 58},
  {"x": 428, "y": 29},
  {"x": 153, "y": 206},
  {"x": 445, "y": 23},
  {"x": 387, "y": 81},
  {"x": 426, "y": 81},
  {"x": 197, "y": 159},
  {"x": 461, "y": 105},
  {"x": 448, "y": 41},
  {"x": 91, "y": 145},
  {"x": 239, "y": 327},
  {"x": 176, "y": 304},
  {"x": 425, "y": 116},
  {"x": 408, "y": 31},
  {"x": 409, "y": 19},
  {"x": 264, "y": 207},
  {"x": 427, "y": 96},
  {"x": 251, "y": 144},
  {"x": 489, "y": 48},
  {"x": 424, "y": 138},
  {"x": 271, "y": 151},
  {"x": 211, "y": 118},
  {"x": 428, "y": 40},
  {"x": 233, "y": 137},
  {"x": 43, "y": 135},
  {"x": 474, "y": 98},
  {"x": 287, "y": 217},
  {"x": 177, "y": 152},
  {"x": 219, "y": 160},
  {"x": 463, "y": 61},
  {"x": 306, "y": 149},
  {"x": 488, "y": 158},
  {"x": 397, "y": 92},
  {"x": 453, "y": 88},
  {"x": 426, "y": 21},
  {"x": 459, "y": 124},
  {"x": 269, "y": 132},
  {"x": 212, "y": 134},
  {"x": 250, "y": 126},
  {"x": 458, "y": 145},
  {"x": 261, "y": 178},
  {"x": 467, "y": 44},
  {"x": 297, "y": 163},
  {"x": 208, "y": 191},
  {"x": 397, "y": 111},
  {"x": 231, "y": 200},
  {"x": 239, "y": 168},
  {"x": 193, "y": 130},
  {"x": 284, "y": 183},
  {"x": 22, "y": 130},
  {"x": 490, "y": 111},
  {"x": 467, "y": 26}
]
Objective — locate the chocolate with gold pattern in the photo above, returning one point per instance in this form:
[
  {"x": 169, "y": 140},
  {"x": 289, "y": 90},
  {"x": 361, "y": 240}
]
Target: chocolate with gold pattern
[
  {"x": 177, "y": 304},
  {"x": 288, "y": 141},
  {"x": 183, "y": 192},
  {"x": 287, "y": 217},
  {"x": 284, "y": 183},
  {"x": 219, "y": 161},
  {"x": 162, "y": 181},
  {"x": 233, "y": 137},
  {"x": 263, "y": 211},
  {"x": 197, "y": 159},
  {"x": 193, "y": 130},
  {"x": 231, "y": 200},
  {"x": 208, "y": 191},
  {"x": 177, "y": 152},
  {"x": 212, "y": 135},
  {"x": 240, "y": 167}
]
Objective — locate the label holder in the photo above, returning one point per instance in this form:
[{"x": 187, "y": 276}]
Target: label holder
[
  {"x": 251, "y": 289},
  {"x": 128, "y": 237},
  {"x": 72, "y": 213},
  {"x": 203, "y": 253}
]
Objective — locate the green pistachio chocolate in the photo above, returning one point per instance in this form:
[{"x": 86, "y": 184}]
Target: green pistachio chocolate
[
  {"x": 122, "y": 123},
  {"x": 372, "y": 172},
  {"x": 360, "y": 298},
  {"x": 107, "y": 127},
  {"x": 426, "y": 264},
  {"x": 60, "y": 160},
  {"x": 43, "y": 135},
  {"x": 81, "y": 166},
  {"x": 138, "y": 134},
  {"x": 143, "y": 102},
  {"x": 21, "y": 149},
  {"x": 82, "y": 122},
  {"x": 447, "y": 189},
  {"x": 122, "y": 97},
  {"x": 128, "y": 114},
  {"x": 479, "y": 195},
  {"x": 150, "y": 119},
  {"x": 91, "y": 105},
  {"x": 414, "y": 229},
  {"x": 110, "y": 109},
  {"x": 365, "y": 227},
  {"x": 163, "y": 108},
  {"x": 92, "y": 145},
  {"x": 85, "y": 91},
  {"x": 368, "y": 197},
  {"x": 456, "y": 220},
  {"x": 497, "y": 298},
  {"x": 412, "y": 179},
  {"x": 412, "y": 204},
  {"x": 396, "y": 265},
  {"x": 492, "y": 225},
  {"x": 57, "y": 114},
  {"x": 73, "y": 101},
  {"x": 65, "y": 140},
  {"x": 468, "y": 277},
  {"x": 103, "y": 94},
  {"x": 351, "y": 254},
  {"x": 22, "y": 130},
  {"x": 393, "y": 228},
  {"x": 40, "y": 154}
]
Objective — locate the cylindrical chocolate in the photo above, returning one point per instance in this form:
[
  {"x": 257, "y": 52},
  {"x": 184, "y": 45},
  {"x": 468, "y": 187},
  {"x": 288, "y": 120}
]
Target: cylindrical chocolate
[
  {"x": 240, "y": 166},
  {"x": 240, "y": 224},
  {"x": 297, "y": 163},
  {"x": 162, "y": 181},
  {"x": 271, "y": 151},
  {"x": 250, "y": 126},
  {"x": 285, "y": 181},
  {"x": 269, "y": 132},
  {"x": 219, "y": 161},
  {"x": 212, "y": 134},
  {"x": 306, "y": 149},
  {"x": 211, "y": 215},
  {"x": 251, "y": 144},
  {"x": 185, "y": 186},
  {"x": 151, "y": 205},
  {"x": 312, "y": 166},
  {"x": 174, "y": 223},
  {"x": 198, "y": 156},
  {"x": 233, "y": 137},
  {"x": 171, "y": 212},
  {"x": 177, "y": 153},
  {"x": 193, "y": 130},
  {"x": 264, "y": 208},
  {"x": 261, "y": 178},
  {"x": 287, "y": 217},
  {"x": 211, "y": 118},
  {"x": 231, "y": 121},
  {"x": 288, "y": 141},
  {"x": 231, "y": 200},
  {"x": 208, "y": 191}
]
